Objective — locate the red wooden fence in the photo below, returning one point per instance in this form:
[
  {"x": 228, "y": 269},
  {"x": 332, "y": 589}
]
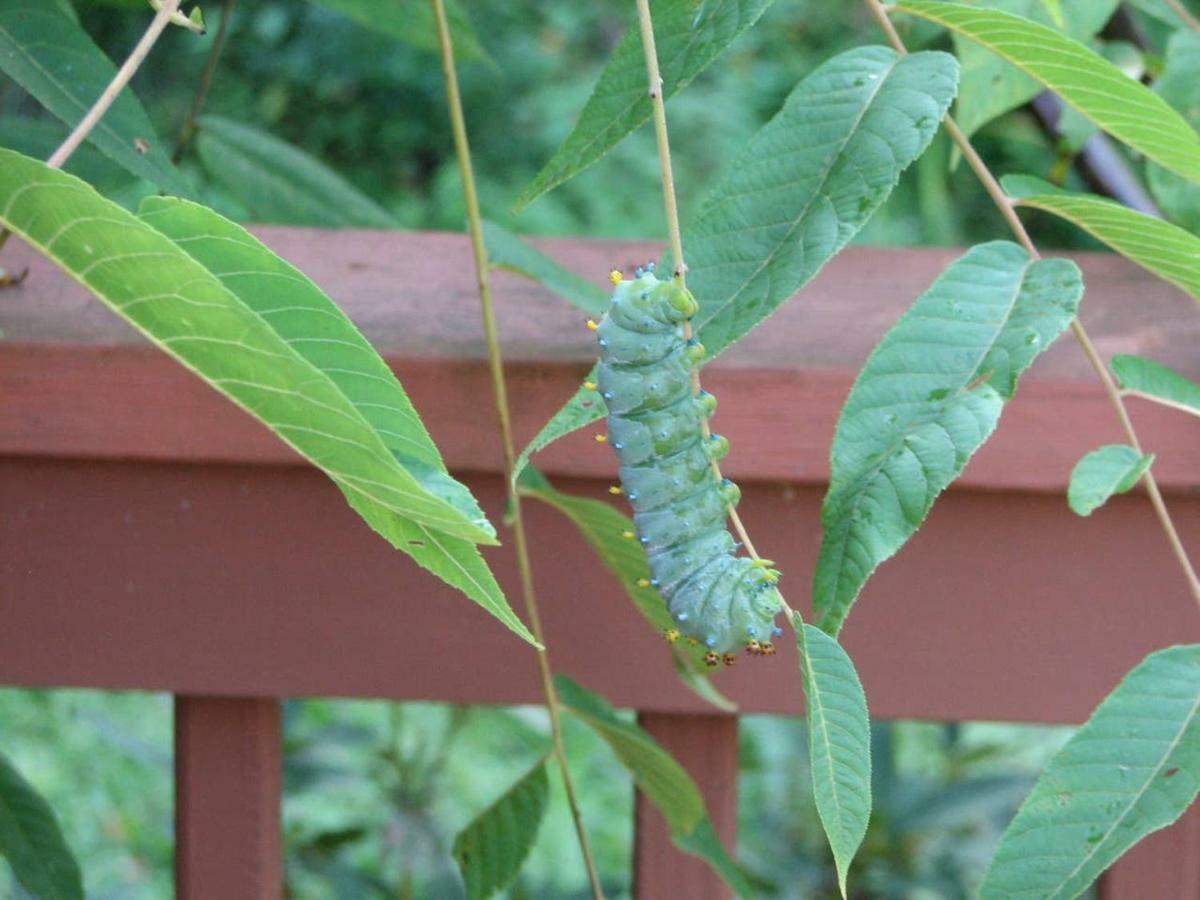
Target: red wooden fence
[{"x": 153, "y": 537}]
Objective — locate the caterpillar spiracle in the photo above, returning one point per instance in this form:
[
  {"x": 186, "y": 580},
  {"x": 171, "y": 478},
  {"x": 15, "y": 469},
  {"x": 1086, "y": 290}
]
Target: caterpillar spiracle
[{"x": 657, "y": 424}]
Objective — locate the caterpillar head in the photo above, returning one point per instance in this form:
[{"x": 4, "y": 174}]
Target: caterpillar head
[{"x": 645, "y": 304}]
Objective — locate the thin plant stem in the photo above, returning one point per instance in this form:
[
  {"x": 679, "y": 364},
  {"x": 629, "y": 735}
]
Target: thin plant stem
[
  {"x": 1180, "y": 10},
  {"x": 158, "y": 24},
  {"x": 500, "y": 391},
  {"x": 675, "y": 237},
  {"x": 1007, "y": 210},
  {"x": 188, "y": 129}
]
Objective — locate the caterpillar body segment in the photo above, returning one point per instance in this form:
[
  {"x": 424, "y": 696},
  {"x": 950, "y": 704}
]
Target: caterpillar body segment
[{"x": 656, "y": 426}]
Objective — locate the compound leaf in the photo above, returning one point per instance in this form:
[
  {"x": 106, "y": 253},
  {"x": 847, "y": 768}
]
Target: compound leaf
[
  {"x": 1133, "y": 768},
  {"x": 1180, "y": 87},
  {"x": 803, "y": 187},
  {"x": 928, "y": 397}
]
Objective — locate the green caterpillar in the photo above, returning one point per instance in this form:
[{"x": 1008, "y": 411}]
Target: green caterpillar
[{"x": 657, "y": 424}]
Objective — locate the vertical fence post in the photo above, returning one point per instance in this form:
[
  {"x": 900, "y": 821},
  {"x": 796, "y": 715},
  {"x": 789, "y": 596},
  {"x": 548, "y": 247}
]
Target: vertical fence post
[
  {"x": 1165, "y": 866},
  {"x": 228, "y": 773},
  {"x": 707, "y": 746}
]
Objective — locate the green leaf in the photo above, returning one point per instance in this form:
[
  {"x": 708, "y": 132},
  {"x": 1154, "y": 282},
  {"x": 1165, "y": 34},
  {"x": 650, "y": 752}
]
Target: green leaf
[
  {"x": 928, "y": 397},
  {"x": 602, "y": 527},
  {"x": 1157, "y": 246},
  {"x": 1112, "y": 469},
  {"x": 1180, "y": 87},
  {"x": 185, "y": 310},
  {"x": 40, "y": 137},
  {"x": 659, "y": 777},
  {"x": 315, "y": 328},
  {"x": 52, "y": 57},
  {"x": 688, "y": 36},
  {"x": 412, "y": 22},
  {"x": 32, "y": 842},
  {"x": 1154, "y": 381},
  {"x": 507, "y": 251},
  {"x": 1098, "y": 89},
  {"x": 279, "y": 183},
  {"x": 1132, "y": 769},
  {"x": 990, "y": 86},
  {"x": 492, "y": 848},
  {"x": 799, "y": 192},
  {"x": 839, "y": 742}
]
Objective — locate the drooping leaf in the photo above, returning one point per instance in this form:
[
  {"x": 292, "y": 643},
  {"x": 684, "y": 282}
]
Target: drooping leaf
[
  {"x": 492, "y": 848},
  {"x": 839, "y": 742},
  {"x": 1121, "y": 106},
  {"x": 507, "y": 251},
  {"x": 32, "y": 842},
  {"x": 688, "y": 36},
  {"x": 315, "y": 328},
  {"x": 185, "y": 310},
  {"x": 798, "y": 193},
  {"x": 1180, "y": 87},
  {"x": 1112, "y": 469},
  {"x": 1132, "y": 769},
  {"x": 1157, "y": 246},
  {"x": 52, "y": 57},
  {"x": 412, "y": 22},
  {"x": 602, "y": 527},
  {"x": 928, "y": 397},
  {"x": 279, "y": 183},
  {"x": 990, "y": 86},
  {"x": 659, "y": 777},
  {"x": 1155, "y": 381}
]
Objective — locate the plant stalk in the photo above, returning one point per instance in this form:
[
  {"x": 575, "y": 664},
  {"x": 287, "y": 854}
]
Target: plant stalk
[
  {"x": 495, "y": 363},
  {"x": 1180, "y": 10},
  {"x": 158, "y": 24},
  {"x": 188, "y": 129},
  {"x": 1008, "y": 211}
]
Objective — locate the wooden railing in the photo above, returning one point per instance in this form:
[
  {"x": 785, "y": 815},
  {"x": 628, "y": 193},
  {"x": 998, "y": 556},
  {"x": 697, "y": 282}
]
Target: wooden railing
[{"x": 154, "y": 537}]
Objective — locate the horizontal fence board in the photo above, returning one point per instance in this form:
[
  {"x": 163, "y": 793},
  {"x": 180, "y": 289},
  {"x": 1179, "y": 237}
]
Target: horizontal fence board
[
  {"x": 259, "y": 581},
  {"x": 76, "y": 382}
]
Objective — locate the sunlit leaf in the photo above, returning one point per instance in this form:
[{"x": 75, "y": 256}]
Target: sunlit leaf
[
  {"x": 1180, "y": 87},
  {"x": 928, "y": 397},
  {"x": 51, "y": 56},
  {"x": 1157, "y": 246},
  {"x": 688, "y": 36},
  {"x": 1112, "y": 469},
  {"x": 277, "y": 182},
  {"x": 492, "y": 848},
  {"x": 314, "y": 327},
  {"x": 1132, "y": 769},
  {"x": 1121, "y": 106},
  {"x": 798, "y": 193},
  {"x": 1155, "y": 381},
  {"x": 839, "y": 742},
  {"x": 990, "y": 86},
  {"x": 32, "y": 842}
]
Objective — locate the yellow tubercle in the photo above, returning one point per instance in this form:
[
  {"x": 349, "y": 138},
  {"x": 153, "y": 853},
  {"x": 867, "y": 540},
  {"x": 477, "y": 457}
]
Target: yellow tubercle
[
  {"x": 628, "y": 535},
  {"x": 643, "y": 582},
  {"x": 602, "y": 439},
  {"x": 592, "y": 325},
  {"x": 672, "y": 635},
  {"x": 615, "y": 491},
  {"x": 615, "y": 276},
  {"x": 589, "y": 385}
]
